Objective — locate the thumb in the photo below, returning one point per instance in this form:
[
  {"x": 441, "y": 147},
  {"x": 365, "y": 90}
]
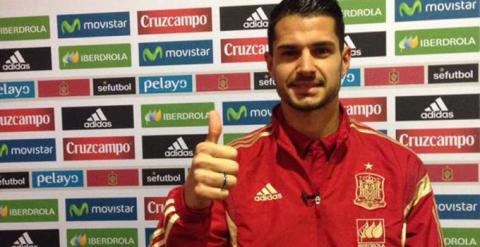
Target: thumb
[{"x": 214, "y": 127}]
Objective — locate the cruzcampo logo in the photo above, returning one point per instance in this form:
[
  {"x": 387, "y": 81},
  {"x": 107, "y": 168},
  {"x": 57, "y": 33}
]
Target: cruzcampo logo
[
  {"x": 461, "y": 236},
  {"x": 125, "y": 237},
  {"x": 235, "y": 115},
  {"x": 74, "y": 210},
  {"x": 176, "y": 115},
  {"x": 405, "y": 10},
  {"x": 95, "y": 56},
  {"x": 437, "y": 41},
  {"x": 70, "y": 28},
  {"x": 365, "y": 11},
  {"x": 148, "y": 55},
  {"x": 4, "y": 150},
  {"x": 29, "y": 210},
  {"x": 24, "y": 28}
]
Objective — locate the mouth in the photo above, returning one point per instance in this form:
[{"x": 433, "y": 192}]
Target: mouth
[{"x": 306, "y": 85}]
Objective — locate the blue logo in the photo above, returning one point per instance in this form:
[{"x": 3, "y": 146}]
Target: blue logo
[
  {"x": 413, "y": 10},
  {"x": 352, "y": 78},
  {"x": 248, "y": 112},
  {"x": 461, "y": 207},
  {"x": 27, "y": 150},
  {"x": 148, "y": 235},
  {"x": 175, "y": 53},
  {"x": 14, "y": 90},
  {"x": 166, "y": 84},
  {"x": 57, "y": 179},
  {"x": 92, "y": 25},
  {"x": 101, "y": 209}
]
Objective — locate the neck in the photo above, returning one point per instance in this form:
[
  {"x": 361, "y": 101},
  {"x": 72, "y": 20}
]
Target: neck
[{"x": 315, "y": 124}]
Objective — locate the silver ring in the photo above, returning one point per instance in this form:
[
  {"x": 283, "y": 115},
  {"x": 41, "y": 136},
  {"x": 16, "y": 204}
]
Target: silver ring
[{"x": 224, "y": 181}]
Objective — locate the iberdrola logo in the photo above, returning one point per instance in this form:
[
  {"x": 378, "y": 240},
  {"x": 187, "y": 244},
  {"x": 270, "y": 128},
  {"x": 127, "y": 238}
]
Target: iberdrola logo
[
  {"x": 79, "y": 240},
  {"x": 3, "y": 211},
  {"x": 71, "y": 57},
  {"x": 152, "y": 56},
  {"x": 409, "y": 42},
  {"x": 153, "y": 116},
  {"x": 70, "y": 28}
]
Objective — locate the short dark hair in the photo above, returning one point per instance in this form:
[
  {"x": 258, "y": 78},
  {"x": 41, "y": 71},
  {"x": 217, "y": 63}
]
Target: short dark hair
[{"x": 307, "y": 8}]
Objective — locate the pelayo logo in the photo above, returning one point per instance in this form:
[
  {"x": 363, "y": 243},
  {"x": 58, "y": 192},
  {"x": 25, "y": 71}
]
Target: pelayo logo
[
  {"x": 94, "y": 56},
  {"x": 27, "y": 150},
  {"x": 93, "y": 25},
  {"x": 247, "y": 112},
  {"x": 44, "y": 210},
  {"x": 102, "y": 237},
  {"x": 437, "y": 41},
  {"x": 14, "y": 90},
  {"x": 166, "y": 84},
  {"x": 176, "y": 115},
  {"x": 100, "y": 209},
  {"x": 176, "y": 53},
  {"x": 57, "y": 179},
  {"x": 24, "y": 28},
  {"x": 352, "y": 78},
  {"x": 360, "y": 12},
  {"x": 412, "y": 10}
]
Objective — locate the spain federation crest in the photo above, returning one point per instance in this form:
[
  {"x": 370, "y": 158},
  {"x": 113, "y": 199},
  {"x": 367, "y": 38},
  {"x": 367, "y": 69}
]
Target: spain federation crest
[{"x": 370, "y": 192}]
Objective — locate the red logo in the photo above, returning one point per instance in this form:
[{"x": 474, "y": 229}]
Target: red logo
[
  {"x": 64, "y": 88},
  {"x": 154, "y": 207},
  {"x": 244, "y": 50},
  {"x": 394, "y": 76},
  {"x": 441, "y": 140},
  {"x": 223, "y": 82},
  {"x": 453, "y": 173},
  {"x": 14, "y": 120},
  {"x": 174, "y": 21},
  {"x": 366, "y": 109},
  {"x": 112, "y": 177},
  {"x": 99, "y": 148}
]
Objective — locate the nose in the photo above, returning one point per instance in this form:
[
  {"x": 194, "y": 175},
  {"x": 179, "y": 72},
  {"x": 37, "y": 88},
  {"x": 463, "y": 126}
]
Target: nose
[{"x": 306, "y": 63}]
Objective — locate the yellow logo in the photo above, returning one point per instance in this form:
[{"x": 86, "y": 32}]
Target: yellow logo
[
  {"x": 3, "y": 211},
  {"x": 223, "y": 83},
  {"x": 447, "y": 174},
  {"x": 370, "y": 232},
  {"x": 112, "y": 179},
  {"x": 370, "y": 191}
]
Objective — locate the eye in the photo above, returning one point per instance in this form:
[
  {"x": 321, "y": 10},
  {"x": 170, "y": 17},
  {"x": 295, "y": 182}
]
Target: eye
[
  {"x": 289, "y": 53},
  {"x": 321, "y": 51}
]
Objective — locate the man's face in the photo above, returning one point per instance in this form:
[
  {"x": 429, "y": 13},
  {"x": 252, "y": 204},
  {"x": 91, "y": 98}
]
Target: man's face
[{"x": 306, "y": 62}]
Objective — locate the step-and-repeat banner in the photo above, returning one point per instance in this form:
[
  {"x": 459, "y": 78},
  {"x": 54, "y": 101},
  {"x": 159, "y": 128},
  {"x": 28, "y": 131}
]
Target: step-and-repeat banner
[{"x": 103, "y": 102}]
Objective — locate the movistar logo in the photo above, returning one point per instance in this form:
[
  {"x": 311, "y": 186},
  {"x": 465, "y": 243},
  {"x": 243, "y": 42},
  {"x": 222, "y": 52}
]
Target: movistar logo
[
  {"x": 148, "y": 55},
  {"x": 66, "y": 27},
  {"x": 4, "y": 150},
  {"x": 236, "y": 115},
  {"x": 405, "y": 9},
  {"x": 75, "y": 211}
]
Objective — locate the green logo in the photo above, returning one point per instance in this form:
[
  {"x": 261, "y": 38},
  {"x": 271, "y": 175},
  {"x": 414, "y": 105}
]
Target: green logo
[
  {"x": 236, "y": 115},
  {"x": 95, "y": 56},
  {"x": 148, "y": 55},
  {"x": 125, "y": 237},
  {"x": 176, "y": 115},
  {"x": 24, "y": 28},
  {"x": 4, "y": 150},
  {"x": 461, "y": 236},
  {"x": 66, "y": 27},
  {"x": 437, "y": 41},
  {"x": 75, "y": 211},
  {"x": 365, "y": 11},
  {"x": 29, "y": 210},
  {"x": 409, "y": 11}
]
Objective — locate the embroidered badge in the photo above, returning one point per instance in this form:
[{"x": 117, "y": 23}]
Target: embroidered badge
[
  {"x": 370, "y": 191},
  {"x": 371, "y": 232}
]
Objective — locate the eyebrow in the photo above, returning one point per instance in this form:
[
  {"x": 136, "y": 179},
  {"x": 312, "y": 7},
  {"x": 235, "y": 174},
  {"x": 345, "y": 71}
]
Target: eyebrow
[{"x": 287, "y": 46}]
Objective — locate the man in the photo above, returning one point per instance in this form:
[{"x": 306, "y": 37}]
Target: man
[{"x": 313, "y": 177}]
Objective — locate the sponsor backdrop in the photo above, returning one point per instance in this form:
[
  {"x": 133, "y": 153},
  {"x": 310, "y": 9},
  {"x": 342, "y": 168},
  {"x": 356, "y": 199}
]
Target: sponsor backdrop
[{"x": 103, "y": 102}]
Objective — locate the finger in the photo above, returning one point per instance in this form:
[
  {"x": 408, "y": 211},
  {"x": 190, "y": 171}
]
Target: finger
[
  {"x": 215, "y": 179},
  {"x": 208, "y": 162},
  {"x": 216, "y": 150},
  {"x": 212, "y": 193},
  {"x": 214, "y": 127}
]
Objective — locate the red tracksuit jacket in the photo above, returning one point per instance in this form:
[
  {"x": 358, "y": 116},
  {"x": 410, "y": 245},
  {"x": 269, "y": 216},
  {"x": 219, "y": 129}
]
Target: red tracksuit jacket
[{"x": 369, "y": 191}]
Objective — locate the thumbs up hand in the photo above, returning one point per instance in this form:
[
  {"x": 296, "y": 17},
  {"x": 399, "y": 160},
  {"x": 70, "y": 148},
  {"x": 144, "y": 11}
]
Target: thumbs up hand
[{"x": 214, "y": 169}]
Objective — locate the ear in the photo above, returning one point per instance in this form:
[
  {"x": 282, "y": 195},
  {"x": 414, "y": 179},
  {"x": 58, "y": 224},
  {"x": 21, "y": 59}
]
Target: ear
[
  {"x": 346, "y": 57},
  {"x": 269, "y": 60}
]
